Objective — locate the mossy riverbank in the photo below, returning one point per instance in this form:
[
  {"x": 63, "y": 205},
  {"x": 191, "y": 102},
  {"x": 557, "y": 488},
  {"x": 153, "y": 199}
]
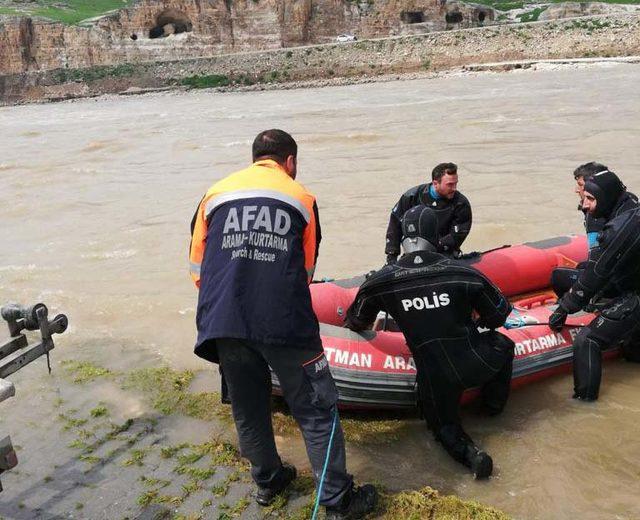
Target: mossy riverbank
[{"x": 193, "y": 480}]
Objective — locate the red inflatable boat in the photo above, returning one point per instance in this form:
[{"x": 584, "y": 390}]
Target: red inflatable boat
[{"x": 375, "y": 369}]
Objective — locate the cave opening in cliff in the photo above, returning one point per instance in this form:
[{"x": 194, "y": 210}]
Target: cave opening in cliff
[
  {"x": 412, "y": 16},
  {"x": 170, "y": 21},
  {"x": 453, "y": 17}
]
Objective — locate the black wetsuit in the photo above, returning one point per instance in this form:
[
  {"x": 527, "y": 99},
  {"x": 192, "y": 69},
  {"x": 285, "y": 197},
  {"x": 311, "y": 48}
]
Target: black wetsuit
[
  {"x": 613, "y": 269},
  {"x": 454, "y": 219},
  {"x": 562, "y": 278},
  {"x": 432, "y": 298}
]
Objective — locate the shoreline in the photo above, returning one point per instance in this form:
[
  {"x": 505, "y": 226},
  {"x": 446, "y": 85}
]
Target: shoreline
[
  {"x": 137, "y": 460},
  {"x": 570, "y": 41},
  {"x": 503, "y": 66},
  {"x": 472, "y": 68}
]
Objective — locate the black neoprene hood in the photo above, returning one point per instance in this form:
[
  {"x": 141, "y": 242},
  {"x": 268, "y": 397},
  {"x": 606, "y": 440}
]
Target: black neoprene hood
[
  {"x": 421, "y": 221},
  {"x": 606, "y": 187}
]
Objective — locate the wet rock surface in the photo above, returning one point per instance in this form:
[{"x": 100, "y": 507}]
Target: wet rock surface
[{"x": 100, "y": 443}]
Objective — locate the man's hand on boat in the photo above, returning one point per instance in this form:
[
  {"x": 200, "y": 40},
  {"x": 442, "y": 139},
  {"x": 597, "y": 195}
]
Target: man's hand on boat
[
  {"x": 355, "y": 325},
  {"x": 557, "y": 319}
]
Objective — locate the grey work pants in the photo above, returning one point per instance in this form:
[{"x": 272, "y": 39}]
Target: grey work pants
[{"x": 311, "y": 398}]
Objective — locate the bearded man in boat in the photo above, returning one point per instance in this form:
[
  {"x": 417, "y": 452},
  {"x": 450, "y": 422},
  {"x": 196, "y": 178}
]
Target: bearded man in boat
[
  {"x": 433, "y": 300},
  {"x": 451, "y": 207},
  {"x": 562, "y": 278},
  {"x": 613, "y": 272}
]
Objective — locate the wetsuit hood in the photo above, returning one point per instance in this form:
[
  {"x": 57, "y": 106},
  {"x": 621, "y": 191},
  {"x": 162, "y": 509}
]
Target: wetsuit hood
[
  {"x": 419, "y": 229},
  {"x": 607, "y": 188}
]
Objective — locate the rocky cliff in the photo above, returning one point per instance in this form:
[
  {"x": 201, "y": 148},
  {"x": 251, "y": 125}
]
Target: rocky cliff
[
  {"x": 217, "y": 27},
  {"x": 585, "y": 38}
]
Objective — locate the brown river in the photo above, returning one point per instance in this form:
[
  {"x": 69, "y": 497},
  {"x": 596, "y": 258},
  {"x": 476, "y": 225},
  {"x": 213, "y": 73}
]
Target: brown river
[{"x": 96, "y": 198}]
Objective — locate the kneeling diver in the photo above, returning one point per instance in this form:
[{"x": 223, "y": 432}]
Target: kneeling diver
[
  {"x": 613, "y": 270},
  {"x": 432, "y": 299}
]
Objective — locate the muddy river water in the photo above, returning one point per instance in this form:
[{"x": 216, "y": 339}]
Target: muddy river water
[{"x": 96, "y": 197}]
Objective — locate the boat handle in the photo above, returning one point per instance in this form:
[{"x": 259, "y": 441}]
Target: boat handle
[{"x": 534, "y": 301}]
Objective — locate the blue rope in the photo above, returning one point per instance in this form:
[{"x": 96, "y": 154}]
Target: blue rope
[
  {"x": 326, "y": 464},
  {"x": 519, "y": 323},
  {"x": 520, "y": 318}
]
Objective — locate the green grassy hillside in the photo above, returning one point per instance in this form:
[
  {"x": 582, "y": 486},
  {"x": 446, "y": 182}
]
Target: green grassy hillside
[
  {"x": 66, "y": 11},
  {"x": 75, "y": 11}
]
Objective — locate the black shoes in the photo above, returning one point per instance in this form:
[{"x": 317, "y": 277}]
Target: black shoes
[
  {"x": 481, "y": 465},
  {"x": 461, "y": 447},
  {"x": 358, "y": 502},
  {"x": 585, "y": 398},
  {"x": 265, "y": 496}
]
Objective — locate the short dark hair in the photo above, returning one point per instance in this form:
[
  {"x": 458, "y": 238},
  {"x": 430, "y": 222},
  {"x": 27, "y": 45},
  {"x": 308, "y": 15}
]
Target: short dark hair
[
  {"x": 588, "y": 170},
  {"x": 274, "y": 144},
  {"x": 445, "y": 168}
]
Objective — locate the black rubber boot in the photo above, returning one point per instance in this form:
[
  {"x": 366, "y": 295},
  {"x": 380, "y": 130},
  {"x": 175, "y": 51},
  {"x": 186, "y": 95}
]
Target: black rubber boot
[
  {"x": 358, "y": 502},
  {"x": 287, "y": 475},
  {"x": 480, "y": 463},
  {"x": 587, "y": 367},
  {"x": 461, "y": 447}
]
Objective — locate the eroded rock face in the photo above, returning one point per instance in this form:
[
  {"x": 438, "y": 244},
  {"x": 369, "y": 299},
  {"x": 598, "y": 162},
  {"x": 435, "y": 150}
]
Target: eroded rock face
[
  {"x": 26, "y": 39},
  {"x": 197, "y": 28},
  {"x": 610, "y": 36},
  {"x": 574, "y": 9},
  {"x": 244, "y": 24},
  {"x": 170, "y": 21}
]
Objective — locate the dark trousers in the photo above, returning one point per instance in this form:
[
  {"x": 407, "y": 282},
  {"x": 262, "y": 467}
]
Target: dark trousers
[
  {"x": 312, "y": 403},
  {"x": 440, "y": 395},
  {"x": 617, "y": 324},
  {"x": 562, "y": 278}
]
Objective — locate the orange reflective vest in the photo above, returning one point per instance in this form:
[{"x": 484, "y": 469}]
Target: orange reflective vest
[{"x": 254, "y": 245}]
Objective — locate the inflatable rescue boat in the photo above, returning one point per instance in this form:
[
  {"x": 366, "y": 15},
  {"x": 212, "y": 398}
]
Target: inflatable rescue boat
[{"x": 375, "y": 369}]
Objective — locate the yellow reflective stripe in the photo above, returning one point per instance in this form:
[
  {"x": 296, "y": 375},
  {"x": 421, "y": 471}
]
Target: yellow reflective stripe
[{"x": 218, "y": 200}]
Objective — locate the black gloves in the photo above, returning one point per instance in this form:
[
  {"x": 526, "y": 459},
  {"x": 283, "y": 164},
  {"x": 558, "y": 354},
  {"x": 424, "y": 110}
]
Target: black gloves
[
  {"x": 392, "y": 259},
  {"x": 557, "y": 319},
  {"x": 354, "y": 324}
]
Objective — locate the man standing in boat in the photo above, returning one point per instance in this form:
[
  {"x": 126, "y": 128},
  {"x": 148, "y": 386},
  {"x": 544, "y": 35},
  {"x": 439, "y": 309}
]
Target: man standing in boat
[
  {"x": 254, "y": 245},
  {"x": 613, "y": 269},
  {"x": 434, "y": 299},
  {"x": 451, "y": 207}
]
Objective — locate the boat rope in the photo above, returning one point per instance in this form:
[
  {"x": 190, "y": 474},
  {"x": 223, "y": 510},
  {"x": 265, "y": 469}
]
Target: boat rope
[
  {"x": 517, "y": 323},
  {"x": 520, "y": 325},
  {"x": 326, "y": 463},
  {"x": 520, "y": 322}
]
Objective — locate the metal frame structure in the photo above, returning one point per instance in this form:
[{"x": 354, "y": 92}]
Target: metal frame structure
[{"x": 16, "y": 353}]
